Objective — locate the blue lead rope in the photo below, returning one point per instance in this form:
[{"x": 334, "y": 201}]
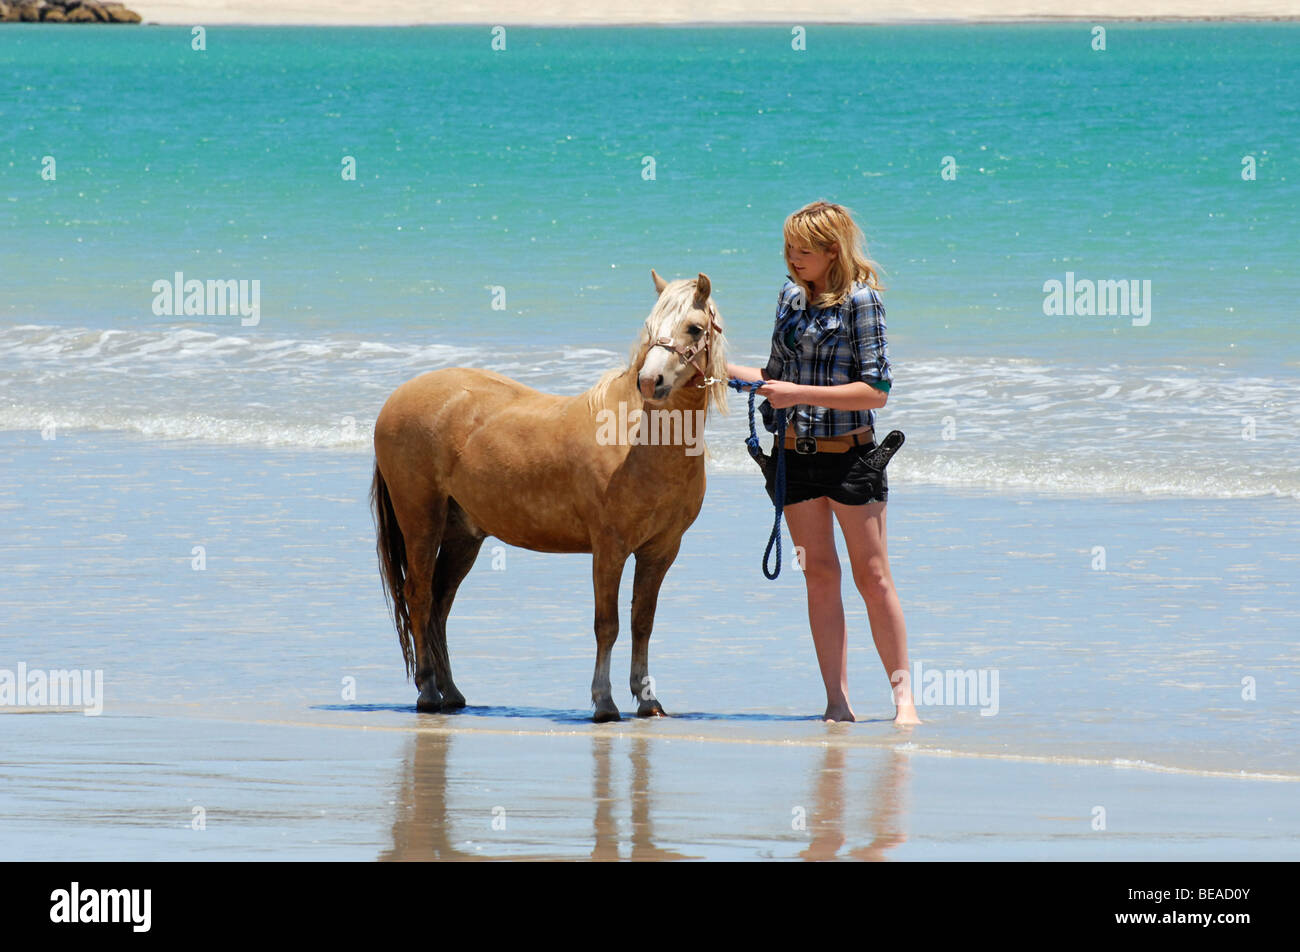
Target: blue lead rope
[{"x": 756, "y": 451}]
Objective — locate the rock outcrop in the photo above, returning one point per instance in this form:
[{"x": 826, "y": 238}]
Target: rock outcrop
[{"x": 65, "y": 11}]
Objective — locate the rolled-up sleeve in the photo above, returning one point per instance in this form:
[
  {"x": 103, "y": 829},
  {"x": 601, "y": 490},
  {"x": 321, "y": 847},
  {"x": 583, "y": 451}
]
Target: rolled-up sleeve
[
  {"x": 870, "y": 348},
  {"x": 775, "y": 366}
]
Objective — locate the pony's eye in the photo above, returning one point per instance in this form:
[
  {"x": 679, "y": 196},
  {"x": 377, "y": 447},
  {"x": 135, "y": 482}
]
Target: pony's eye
[{"x": 696, "y": 329}]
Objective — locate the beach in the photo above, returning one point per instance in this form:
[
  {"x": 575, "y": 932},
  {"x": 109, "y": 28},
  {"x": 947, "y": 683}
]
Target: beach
[
  {"x": 1094, "y": 523},
  {"x": 128, "y": 789},
  {"x": 732, "y": 12},
  {"x": 266, "y": 687}
]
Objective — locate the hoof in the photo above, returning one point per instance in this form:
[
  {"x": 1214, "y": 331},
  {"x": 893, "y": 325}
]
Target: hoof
[
  {"x": 429, "y": 702},
  {"x": 651, "y": 708},
  {"x": 453, "y": 702},
  {"x": 606, "y": 712}
]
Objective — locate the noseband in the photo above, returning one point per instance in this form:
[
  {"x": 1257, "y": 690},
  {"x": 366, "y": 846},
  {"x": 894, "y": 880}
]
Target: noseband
[{"x": 688, "y": 354}]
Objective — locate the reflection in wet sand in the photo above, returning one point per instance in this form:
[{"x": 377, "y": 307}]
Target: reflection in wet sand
[
  {"x": 625, "y": 819},
  {"x": 827, "y": 822},
  {"x": 421, "y": 827},
  {"x": 643, "y": 830}
]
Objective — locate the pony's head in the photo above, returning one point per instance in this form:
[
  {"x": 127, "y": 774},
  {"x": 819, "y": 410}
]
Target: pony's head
[{"x": 682, "y": 343}]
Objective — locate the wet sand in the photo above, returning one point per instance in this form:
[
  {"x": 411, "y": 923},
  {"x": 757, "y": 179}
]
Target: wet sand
[
  {"x": 267, "y": 688},
  {"x": 477, "y": 787}
]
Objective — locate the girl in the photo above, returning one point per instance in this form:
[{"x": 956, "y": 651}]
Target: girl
[{"x": 829, "y": 368}]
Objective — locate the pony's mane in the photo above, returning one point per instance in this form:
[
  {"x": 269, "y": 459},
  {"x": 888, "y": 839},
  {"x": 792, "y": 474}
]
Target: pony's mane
[{"x": 598, "y": 395}]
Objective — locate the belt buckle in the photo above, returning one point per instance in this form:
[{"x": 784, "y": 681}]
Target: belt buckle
[{"x": 805, "y": 445}]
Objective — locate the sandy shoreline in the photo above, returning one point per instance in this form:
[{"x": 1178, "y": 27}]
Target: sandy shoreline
[
  {"x": 522, "y": 13},
  {"x": 242, "y": 720},
  {"x": 123, "y": 787},
  {"x": 992, "y": 581}
]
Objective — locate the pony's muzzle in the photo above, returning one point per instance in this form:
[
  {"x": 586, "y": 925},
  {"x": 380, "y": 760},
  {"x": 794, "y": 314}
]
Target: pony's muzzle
[{"x": 653, "y": 388}]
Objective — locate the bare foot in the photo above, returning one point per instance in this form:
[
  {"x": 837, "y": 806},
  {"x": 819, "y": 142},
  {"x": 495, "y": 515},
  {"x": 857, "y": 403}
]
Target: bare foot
[
  {"x": 905, "y": 715},
  {"x": 838, "y": 712}
]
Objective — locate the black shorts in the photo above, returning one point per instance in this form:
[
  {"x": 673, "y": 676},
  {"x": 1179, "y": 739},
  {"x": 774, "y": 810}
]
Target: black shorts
[{"x": 844, "y": 477}]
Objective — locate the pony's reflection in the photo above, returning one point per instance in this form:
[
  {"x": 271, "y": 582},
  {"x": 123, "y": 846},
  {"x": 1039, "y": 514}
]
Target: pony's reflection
[
  {"x": 605, "y": 824},
  {"x": 623, "y": 815}
]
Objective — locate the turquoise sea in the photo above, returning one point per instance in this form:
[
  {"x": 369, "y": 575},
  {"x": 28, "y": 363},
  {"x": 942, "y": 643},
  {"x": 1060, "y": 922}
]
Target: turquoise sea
[
  {"x": 550, "y": 177},
  {"x": 524, "y": 169}
]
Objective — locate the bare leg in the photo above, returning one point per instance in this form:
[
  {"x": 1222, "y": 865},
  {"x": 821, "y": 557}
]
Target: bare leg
[
  {"x": 864, "y": 534},
  {"x": 811, "y": 528}
]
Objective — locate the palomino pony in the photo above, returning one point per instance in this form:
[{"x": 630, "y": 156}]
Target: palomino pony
[{"x": 462, "y": 454}]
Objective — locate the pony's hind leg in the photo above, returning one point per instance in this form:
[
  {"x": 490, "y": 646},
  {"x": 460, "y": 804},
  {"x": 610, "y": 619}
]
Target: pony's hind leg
[
  {"x": 461, "y": 542},
  {"x": 422, "y": 525}
]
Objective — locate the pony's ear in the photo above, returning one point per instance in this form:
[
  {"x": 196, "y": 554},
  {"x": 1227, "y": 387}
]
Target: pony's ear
[
  {"x": 703, "y": 288},
  {"x": 660, "y": 283}
]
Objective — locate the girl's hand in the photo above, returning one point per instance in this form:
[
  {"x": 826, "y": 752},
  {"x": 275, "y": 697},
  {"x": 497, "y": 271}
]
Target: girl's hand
[{"x": 781, "y": 393}]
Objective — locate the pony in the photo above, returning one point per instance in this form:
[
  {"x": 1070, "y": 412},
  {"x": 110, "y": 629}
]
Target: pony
[{"x": 464, "y": 453}]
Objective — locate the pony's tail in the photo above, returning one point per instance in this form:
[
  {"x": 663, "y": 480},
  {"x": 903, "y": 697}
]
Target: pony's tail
[{"x": 391, "y": 547}]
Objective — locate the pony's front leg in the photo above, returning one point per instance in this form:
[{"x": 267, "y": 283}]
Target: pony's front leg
[
  {"x": 606, "y": 573},
  {"x": 650, "y": 572}
]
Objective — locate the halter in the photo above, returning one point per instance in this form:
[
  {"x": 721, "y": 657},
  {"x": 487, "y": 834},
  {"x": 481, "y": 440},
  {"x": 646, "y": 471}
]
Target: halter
[{"x": 688, "y": 354}]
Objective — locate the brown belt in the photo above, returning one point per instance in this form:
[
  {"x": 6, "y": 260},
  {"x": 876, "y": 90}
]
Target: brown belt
[{"x": 806, "y": 445}]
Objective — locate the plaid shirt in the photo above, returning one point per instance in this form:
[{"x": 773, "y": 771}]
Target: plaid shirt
[{"x": 823, "y": 347}]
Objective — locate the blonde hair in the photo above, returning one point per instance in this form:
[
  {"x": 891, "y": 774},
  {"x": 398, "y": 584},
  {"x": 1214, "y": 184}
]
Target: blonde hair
[{"x": 822, "y": 226}]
